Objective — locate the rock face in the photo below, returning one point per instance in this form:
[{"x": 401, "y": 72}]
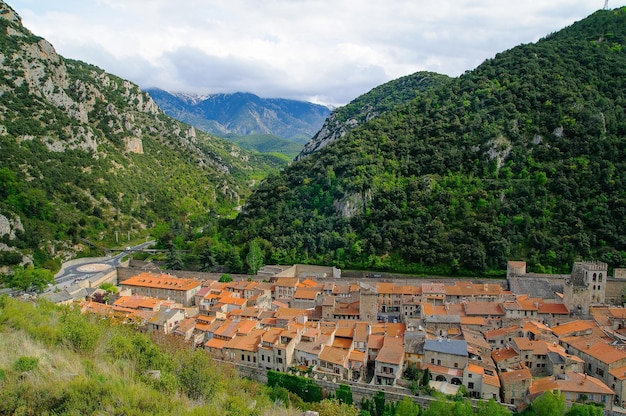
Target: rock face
[{"x": 10, "y": 226}]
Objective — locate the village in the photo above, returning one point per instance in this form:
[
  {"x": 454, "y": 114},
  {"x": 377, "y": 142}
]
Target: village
[{"x": 509, "y": 340}]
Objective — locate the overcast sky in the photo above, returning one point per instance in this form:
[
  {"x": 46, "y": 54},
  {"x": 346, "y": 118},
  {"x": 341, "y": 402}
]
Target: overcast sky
[{"x": 325, "y": 51}]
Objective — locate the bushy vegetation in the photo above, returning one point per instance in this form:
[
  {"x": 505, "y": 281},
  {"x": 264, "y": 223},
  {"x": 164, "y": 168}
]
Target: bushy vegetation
[
  {"x": 57, "y": 361},
  {"x": 521, "y": 158}
]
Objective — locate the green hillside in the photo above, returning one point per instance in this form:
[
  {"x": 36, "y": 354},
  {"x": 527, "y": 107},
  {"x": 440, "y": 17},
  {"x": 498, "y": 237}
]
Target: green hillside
[
  {"x": 521, "y": 158},
  {"x": 370, "y": 105},
  {"x": 86, "y": 154},
  {"x": 56, "y": 361},
  {"x": 266, "y": 143}
]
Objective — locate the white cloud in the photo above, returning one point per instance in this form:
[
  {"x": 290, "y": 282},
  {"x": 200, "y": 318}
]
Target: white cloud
[{"x": 328, "y": 51}]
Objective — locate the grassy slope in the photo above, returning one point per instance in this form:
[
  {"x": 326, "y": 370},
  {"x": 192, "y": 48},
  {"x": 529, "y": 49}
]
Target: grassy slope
[{"x": 56, "y": 361}]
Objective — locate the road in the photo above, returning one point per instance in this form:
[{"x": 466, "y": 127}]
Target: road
[{"x": 74, "y": 271}]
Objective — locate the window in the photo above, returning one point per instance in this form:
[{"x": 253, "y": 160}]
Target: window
[
  {"x": 470, "y": 385},
  {"x": 438, "y": 362},
  {"x": 432, "y": 361},
  {"x": 243, "y": 358},
  {"x": 456, "y": 365},
  {"x": 469, "y": 375}
]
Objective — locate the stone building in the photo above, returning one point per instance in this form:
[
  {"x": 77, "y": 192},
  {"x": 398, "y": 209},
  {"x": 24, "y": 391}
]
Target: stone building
[{"x": 585, "y": 286}]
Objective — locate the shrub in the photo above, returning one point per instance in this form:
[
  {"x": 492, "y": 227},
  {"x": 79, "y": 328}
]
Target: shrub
[{"x": 24, "y": 364}]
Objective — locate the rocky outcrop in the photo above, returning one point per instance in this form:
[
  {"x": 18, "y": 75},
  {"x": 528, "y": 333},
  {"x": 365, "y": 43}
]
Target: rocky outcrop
[{"x": 8, "y": 226}]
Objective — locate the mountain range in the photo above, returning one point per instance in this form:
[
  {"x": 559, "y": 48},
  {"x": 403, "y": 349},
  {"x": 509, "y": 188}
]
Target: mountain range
[{"x": 244, "y": 114}]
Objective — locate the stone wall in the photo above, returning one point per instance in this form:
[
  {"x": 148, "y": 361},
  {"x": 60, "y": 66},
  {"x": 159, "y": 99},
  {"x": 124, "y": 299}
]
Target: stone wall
[
  {"x": 613, "y": 290},
  {"x": 359, "y": 390}
]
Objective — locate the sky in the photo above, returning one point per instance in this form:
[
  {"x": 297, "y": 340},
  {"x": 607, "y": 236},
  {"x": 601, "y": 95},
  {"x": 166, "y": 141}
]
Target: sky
[{"x": 323, "y": 51}]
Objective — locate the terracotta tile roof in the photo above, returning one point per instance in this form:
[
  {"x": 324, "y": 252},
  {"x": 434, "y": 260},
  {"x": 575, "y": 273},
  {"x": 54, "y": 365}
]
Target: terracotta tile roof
[
  {"x": 287, "y": 282},
  {"x": 136, "y": 302},
  {"x": 379, "y": 328},
  {"x": 597, "y": 348},
  {"x": 306, "y": 293},
  {"x": 574, "y": 382},
  {"x": 361, "y": 331},
  {"x": 395, "y": 330},
  {"x": 375, "y": 342},
  {"x": 309, "y": 283},
  {"x": 483, "y": 309},
  {"x": 344, "y": 343},
  {"x": 228, "y": 329},
  {"x": 619, "y": 373},
  {"x": 334, "y": 355},
  {"x": 249, "y": 342},
  {"x": 430, "y": 309},
  {"x": 476, "y": 338},
  {"x": 202, "y": 326},
  {"x": 433, "y": 288},
  {"x": 490, "y": 377},
  {"x": 472, "y": 320},
  {"x": 535, "y": 327},
  {"x": 345, "y": 331},
  {"x": 500, "y": 332},
  {"x": 163, "y": 281},
  {"x": 437, "y": 369},
  {"x": 515, "y": 376},
  {"x": 619, "y": 313},
  {"x": 385, "y": 288},
  {"x": 288, "y": 313},
  {"x": 538, "y": 347},
  {"x": 215, "y": 343},
  {"x": 503, "y": 354},
  {"x": 246, "y": 326},
  {"x": 392, "y": 351},
  {"x": 573, "y": 327},
  {"x": 553, "y": 308},
  {"x": 357, "y": 356}
]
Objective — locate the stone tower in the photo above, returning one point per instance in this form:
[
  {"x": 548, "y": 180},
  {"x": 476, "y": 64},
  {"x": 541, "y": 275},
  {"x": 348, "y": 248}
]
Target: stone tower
[
  {"x": 585, "y": 287},
  {"x": 368, "y": 303}
]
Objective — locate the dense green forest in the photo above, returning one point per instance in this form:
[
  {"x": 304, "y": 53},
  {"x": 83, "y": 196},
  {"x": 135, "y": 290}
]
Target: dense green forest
[
  {"x": 372, "y": 104},
  {"x": 521, "y": 158}
]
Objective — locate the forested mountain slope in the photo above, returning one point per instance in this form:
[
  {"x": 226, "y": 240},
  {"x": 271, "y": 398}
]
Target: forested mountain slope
[
  {"x": 244, "y": 114},
  {"x": 522, "y": 158},
  {"x": 85, "y": 154},
  {"x": 371, "y": 105}
]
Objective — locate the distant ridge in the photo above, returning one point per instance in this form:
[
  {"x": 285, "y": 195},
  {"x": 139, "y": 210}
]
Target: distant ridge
[{"x": 244, "y": 114}]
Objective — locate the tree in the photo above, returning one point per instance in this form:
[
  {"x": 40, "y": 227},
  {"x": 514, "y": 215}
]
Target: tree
[
  {"x": 584, "y": 410},
  {"x": 174, "y": 260},
  {"x": 550, "y": 403},
  {"x": 344, "y": 394},
  {"x": 225, "y": 278},
  {"x": 30, "y": 278},
  {"x": 491, "y": 408},
  {"x": 254, "y": 258},
  {"x": 207, "y": 258},
  {"x": 233, "y": 260},
  {"x": 407, "y": 407}
]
